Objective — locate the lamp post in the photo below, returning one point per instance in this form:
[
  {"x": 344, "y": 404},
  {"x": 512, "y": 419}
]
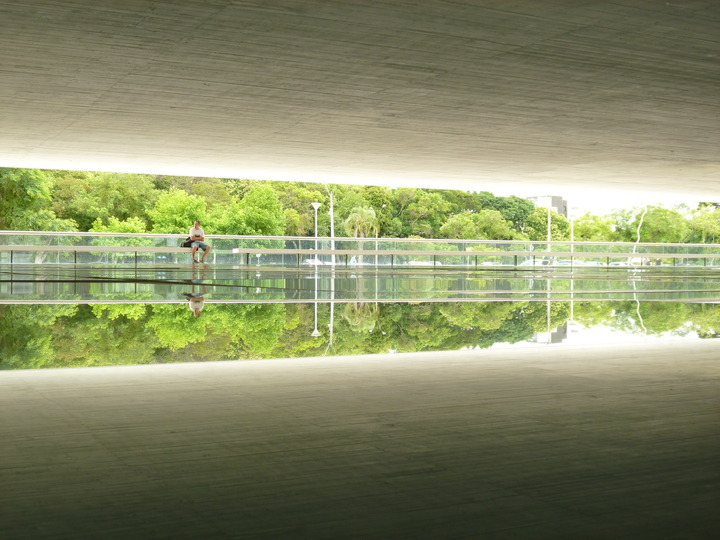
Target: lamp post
[
  {"x": 572, "y": 214},
  {"x": 316, "y": 205},
  {"x": 377, "y": 232},
  {"x": 549, "y": 223},
  {"x": 331, "y": 213}
]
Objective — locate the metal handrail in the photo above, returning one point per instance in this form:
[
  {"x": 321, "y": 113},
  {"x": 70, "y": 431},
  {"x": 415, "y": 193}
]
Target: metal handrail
[{"x": 354, "y": 239}]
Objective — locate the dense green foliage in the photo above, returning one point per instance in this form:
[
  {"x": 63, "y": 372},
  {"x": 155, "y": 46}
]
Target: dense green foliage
[
  {"x": 114, "y": 202},
  {"x": 119, "y": 334}
]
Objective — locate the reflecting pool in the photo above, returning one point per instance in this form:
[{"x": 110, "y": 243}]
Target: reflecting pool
[{"x": 67, "y": 316}]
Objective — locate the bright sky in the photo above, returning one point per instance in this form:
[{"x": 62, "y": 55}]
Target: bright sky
[{"x": 604, "y": 202}]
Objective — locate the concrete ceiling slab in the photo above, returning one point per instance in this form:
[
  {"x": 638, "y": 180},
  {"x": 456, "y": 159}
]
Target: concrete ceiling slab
[{"x": 514, "y": 94}]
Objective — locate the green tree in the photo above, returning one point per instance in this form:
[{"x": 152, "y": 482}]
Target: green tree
[
  {"x": 361, "y": 223},
  {"x": 293, "y": 223},
  {"x": 705, "y": 224},
  {"x": 100, "y": 336},
  {"x": 25, "y": 202},
  {"x": 460, "y": 201},
  {"x": 480, "y": 315},
  {"x": 656, "y": 224},
  {"x": 381, "y": 200},
  {"x": 27, "y": 336},
  {"x": 87, "y": 196},
  {"x": 216, "y": 192},
  {"x": 347, "y": 199},
  {"x": 662, "y": 225},
  {"x": 536, "y": 228},
  {"x": 592, "y": 228},
  {"x": 514, "y": 209},
  {"x": 591, "y": 314},
  {"x": 426, "y": 214},
  {"x": 175, "y": 211},
  {"x": 263, "y": 212},
  {"x": 114, "y": 225},
  {"x": 259, "y": 213},
  {"x": 296, "y": 199},
  {"x": 175, "y": 327},
  {"x": 130, "y": 225},
  {"x": 483, "y": 225},
  {"x": 361, "y": 316}
]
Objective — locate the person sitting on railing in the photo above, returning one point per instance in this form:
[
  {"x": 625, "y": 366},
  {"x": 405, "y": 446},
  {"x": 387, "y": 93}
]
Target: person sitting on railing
[{"x": 197, "y": 235}]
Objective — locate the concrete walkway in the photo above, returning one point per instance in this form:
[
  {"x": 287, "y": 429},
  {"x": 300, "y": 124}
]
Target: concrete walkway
[{"x": 570, "y": 442}]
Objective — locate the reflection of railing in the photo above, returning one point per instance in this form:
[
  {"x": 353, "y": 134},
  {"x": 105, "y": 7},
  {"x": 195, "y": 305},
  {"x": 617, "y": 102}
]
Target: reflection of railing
[
  {"x": 63, "y": 247},
  {"x": 285, "y": 284}
]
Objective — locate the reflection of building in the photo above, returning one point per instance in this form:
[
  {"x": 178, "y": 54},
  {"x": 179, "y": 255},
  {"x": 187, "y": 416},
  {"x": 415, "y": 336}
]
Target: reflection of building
[
  {"x": 556, "y": 336},
  {"x": 555, "y": 202}
]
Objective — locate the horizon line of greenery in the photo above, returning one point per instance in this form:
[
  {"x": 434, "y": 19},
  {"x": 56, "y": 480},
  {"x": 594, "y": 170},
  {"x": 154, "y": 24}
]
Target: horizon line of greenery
[{"x": 81, "y": 201}]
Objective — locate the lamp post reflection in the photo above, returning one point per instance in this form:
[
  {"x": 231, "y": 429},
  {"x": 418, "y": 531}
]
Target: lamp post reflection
[{"x": 316, "y": 332}]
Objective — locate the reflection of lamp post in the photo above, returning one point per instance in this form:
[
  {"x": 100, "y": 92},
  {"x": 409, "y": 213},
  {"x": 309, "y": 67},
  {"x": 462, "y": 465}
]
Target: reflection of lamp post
[
  {"x": 316, "y": 332},
  {"x": 377, "y": 233},
  {"x": 316, "y": 205},
  {"x": 642, "y": 219}
]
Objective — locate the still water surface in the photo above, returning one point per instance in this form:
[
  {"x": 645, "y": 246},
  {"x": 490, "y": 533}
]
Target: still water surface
[{"x": 73, "y": 316}]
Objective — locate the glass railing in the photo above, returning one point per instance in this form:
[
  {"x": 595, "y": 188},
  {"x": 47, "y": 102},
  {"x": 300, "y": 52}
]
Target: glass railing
[{"x": 126, "y": 248}]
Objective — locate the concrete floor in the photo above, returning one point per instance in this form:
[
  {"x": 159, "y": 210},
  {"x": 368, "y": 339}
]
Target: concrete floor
[{"x": 571, "y": 442}]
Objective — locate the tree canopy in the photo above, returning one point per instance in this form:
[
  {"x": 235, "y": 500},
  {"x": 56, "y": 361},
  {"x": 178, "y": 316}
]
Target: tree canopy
[
  {"x": 32, "y": 199},
  {"x": 64, "y": 335}
]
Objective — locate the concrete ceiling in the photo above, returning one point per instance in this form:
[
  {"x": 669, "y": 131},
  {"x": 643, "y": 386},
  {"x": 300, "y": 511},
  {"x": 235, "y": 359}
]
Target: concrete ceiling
[{"x": 552, "y": 95}]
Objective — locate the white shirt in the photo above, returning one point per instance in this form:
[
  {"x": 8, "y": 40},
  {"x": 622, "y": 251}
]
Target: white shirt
[
  {"x": 196, "y": 303},
  {"x": 196, "y": 232}
]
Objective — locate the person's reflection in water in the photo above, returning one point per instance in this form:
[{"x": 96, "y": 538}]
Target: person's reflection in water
[{"x": 196, "y": 296}]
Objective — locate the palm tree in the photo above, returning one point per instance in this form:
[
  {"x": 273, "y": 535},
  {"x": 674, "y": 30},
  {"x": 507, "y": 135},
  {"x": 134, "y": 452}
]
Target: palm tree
[{"x": 361, "y": 223}]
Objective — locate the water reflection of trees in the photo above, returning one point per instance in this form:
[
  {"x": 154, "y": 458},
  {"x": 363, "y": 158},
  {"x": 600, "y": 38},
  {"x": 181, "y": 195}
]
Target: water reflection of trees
[{"x": 121, "y": 334}]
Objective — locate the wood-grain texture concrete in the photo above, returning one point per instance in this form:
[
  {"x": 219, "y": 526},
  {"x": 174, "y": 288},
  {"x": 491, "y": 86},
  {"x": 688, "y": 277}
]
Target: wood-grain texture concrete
[
  {"x": 570, "y": 442},
  {"x": 559, "y": 94}
]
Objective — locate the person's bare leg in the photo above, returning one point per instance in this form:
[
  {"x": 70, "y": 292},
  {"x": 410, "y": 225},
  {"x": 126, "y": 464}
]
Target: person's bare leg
[
  {"x": 192, "y": 253},
  {"x": 205, "y": 254}
]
